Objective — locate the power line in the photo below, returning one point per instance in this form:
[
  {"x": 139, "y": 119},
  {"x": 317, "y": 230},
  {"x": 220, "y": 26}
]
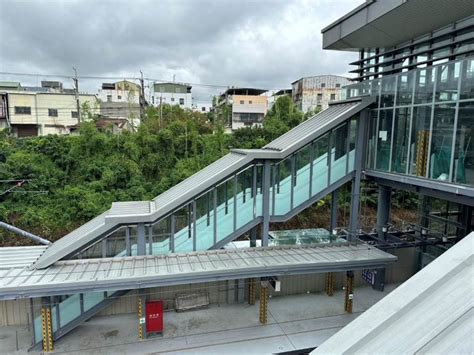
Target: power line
[{"x": 149, "y": 79}]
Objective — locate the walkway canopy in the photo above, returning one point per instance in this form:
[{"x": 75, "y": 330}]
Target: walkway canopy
[{"x": 124, "y": 273}]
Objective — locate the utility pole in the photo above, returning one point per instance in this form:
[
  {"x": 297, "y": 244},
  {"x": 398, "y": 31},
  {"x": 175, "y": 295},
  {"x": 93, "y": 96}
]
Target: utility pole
[
  {"x": 161, "y": 108},
  {"x": 76, "y": 89},
  {"x": 142, "y": 97}
]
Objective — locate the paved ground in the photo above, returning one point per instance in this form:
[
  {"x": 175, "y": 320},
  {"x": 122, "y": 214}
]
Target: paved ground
[{"x": 294, "y": 322}]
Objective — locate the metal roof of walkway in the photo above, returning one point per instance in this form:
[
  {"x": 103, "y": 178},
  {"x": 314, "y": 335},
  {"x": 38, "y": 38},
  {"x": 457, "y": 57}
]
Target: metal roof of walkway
[{"x": 125, "y": 273}]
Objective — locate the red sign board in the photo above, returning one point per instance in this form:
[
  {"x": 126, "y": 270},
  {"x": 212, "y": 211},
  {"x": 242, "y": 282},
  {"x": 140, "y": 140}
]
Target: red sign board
[{"x": 154, "y": 316}]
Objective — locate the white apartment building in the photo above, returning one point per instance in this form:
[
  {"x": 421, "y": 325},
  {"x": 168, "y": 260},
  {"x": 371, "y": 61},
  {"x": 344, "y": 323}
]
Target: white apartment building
[
  {"x": 313, "y": 92},
  {"x": 202, "y": 107},
  {"x": 172, "y": 94}
]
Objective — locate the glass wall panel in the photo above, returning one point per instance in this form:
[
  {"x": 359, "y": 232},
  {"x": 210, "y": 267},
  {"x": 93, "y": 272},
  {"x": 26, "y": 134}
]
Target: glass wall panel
[
  {"x": 405, "y": 89},
  {"x": 419, "y": 140},
  {"x": 183, "y": 240},
  {"x": 387, "y": 96},
  {"x": 225, "y": 209},
  {"x": 91, "y": 299},
  {"x": 447, "y": 82},
  {"x": 384, "y": 138},
  {"x": 464, "y": 149},
  {"x": 400, "y": 140},
  {"x": 320, "y": 164},
  {"x": 352, "y": 143},
  {"x": 283, "y": 187},
  {"x": 301, "y": 188},
  {"x": 441, "y": 141},
  {"x": 245, "y": 200},
  {"x": 133, "y": 240},
  {"x": 115, "y": 243},
  {"x": 424, "y": 86},
  {"x": 70, "y": 308},
  {"x": 160, "y": 236},
  {"x": 338, "y": 153},
  {"x": 204, "y": 221},
  {"x": 467, "y": 80}
]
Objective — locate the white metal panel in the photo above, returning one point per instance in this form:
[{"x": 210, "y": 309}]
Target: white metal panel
[{"x": 430, "y": 313}]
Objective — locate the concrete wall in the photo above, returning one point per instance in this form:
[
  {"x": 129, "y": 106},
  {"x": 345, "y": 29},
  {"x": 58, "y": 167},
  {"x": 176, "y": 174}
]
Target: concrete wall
[{"x": 16, "y": 312}]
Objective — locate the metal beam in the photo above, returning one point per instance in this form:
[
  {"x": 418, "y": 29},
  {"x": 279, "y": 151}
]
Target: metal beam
[{"x": 23, "y": 233}]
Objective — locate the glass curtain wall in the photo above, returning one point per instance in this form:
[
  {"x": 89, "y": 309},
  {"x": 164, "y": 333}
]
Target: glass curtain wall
[{"x": 423, "y": 124}]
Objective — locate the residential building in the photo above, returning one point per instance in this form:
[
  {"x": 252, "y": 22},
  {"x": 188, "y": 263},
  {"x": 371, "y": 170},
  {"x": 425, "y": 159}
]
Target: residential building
[
  {"x": 42, "y": 110},
  {"x": 203, "y": 107},
  {"x": 172, "y": 94},
  {"x": 248, "y": 107},
  {"x": 122, "y": 91},
  {"x": 315, "y": 92},
  {"x": 121, "y": 111}
]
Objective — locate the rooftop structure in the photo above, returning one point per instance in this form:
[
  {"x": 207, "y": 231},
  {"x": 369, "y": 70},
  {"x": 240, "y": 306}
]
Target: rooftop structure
[
  {"x": 432, "y": 312},
  {"x": 172, "y": 94}
]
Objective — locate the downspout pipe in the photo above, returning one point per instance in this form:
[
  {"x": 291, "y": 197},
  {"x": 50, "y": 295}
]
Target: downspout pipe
[{"x": 23, "y": 233}]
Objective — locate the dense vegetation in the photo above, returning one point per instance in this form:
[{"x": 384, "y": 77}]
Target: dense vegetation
[{"x": 74, "y": 178}]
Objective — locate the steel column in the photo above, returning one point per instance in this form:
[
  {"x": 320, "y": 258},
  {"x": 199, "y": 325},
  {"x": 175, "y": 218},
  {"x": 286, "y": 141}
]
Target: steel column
[
  {"x": 214, "y": 207},
  {"x": 330, "y": 283},
  {"x": 334, "y": 208},
  {"x": 252, "y": 291},
  {"x": 193, "y": 214},
  {"x": 172, "y": 231},
  {"x": 141, "y": 239},
  {"x": 235, "y": 203},
  {"x": 349, "y": 291},
  {"x": 358, "y": 165},
  {"x": 383, "y": 210},
  {"x": 128, "y": 246},
  {"x": 266, "y": 203},
  {"x": 253, "y": 237}
]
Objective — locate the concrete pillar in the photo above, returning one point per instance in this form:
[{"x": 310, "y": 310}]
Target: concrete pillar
[
  {"x": 334, "y": 208},
  {"x": 383, "y": 210}
]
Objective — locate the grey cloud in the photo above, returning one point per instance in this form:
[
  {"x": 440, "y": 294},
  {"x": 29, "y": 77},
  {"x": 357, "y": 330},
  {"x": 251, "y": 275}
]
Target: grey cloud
[{"x": 255, "y": 43}]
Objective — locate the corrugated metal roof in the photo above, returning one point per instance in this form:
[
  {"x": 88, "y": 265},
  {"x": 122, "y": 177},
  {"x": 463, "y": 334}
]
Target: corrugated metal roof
[
  {"x": 130, "y": 208},
  {"x": 192, "y": 187},
  {"x": 318, "y": 125},
  {"x": 72, "y": 241},
  {"x": 432, "y": 312},
  {"x": 18, "y": 257},
  {"x": 72, "y": 276}
]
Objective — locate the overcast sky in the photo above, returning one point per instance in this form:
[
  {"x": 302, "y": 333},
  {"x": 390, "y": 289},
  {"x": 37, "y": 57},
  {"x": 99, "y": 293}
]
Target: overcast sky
[{"x": 265, "y": 44}]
